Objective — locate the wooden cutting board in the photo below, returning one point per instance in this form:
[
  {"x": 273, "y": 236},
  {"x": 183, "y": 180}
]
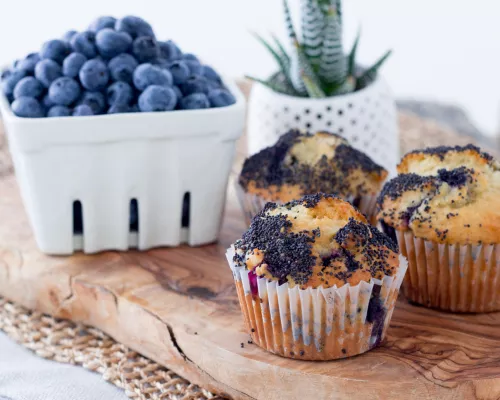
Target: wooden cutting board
[{"x": 178, "y": 306}]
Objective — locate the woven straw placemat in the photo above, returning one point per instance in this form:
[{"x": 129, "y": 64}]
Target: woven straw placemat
[{"x": 69, "y": 342}]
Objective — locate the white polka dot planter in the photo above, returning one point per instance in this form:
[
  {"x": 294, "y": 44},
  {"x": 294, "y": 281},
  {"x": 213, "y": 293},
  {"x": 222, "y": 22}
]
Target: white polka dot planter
[
  {"x": 81, "y": 177},
  {"x": 367, "y": 118}
]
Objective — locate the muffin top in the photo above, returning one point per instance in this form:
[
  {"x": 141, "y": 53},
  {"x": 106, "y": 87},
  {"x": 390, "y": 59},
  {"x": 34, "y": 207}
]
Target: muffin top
[
  {"x": 304, "y": 163},
  {"x": 445, "y": 194},
  {"x": 317, "y": 241}
]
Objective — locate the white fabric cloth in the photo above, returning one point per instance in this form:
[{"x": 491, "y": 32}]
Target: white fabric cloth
[{"x": 24, "y": 376}]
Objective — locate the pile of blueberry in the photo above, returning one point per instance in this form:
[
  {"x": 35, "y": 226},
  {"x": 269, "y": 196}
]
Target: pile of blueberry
[{"x": 116, "y": 66}]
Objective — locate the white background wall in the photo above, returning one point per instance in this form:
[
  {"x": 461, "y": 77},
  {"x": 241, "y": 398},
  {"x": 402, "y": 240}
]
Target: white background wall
[{"x": 443, "y": 49}]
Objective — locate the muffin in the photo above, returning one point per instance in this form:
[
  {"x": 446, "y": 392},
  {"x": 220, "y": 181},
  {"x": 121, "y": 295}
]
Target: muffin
[
  {"x": 315, "y": 281},
  {"x": 443, "y": 210},
  {"x": 304, "y": 163}
]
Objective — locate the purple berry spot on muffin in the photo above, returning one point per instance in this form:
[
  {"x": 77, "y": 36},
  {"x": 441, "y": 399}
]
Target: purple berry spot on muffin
[
  {"x": 254, "y": 287},
  {"x": 376, "y": 315}
]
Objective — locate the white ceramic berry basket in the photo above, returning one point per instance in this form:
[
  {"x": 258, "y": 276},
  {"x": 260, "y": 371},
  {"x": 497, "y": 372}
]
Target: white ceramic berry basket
[
  {"x": 367, "y": 118},
  {"x": 105, "y": 162}
]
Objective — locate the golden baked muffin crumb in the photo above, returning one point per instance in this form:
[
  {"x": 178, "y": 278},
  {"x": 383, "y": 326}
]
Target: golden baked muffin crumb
[
  {"x": 445, "y": 194},
  {"x": 304, "y": 163},
  {"x": 317, "y": 241}
]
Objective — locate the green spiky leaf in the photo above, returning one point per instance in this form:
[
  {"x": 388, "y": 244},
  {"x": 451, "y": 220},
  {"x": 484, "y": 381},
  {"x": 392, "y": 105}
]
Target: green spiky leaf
[
  {"x": 275, "y": 86},
  {"x": 295, "y": 63},
  {"x": 324, "y": 5},
  {"x": 313, "y": 90},
  {"x": 282, "y": 61},
  {"x": 371, "y": 72},
  {"x": 279, "y": 79},
  {"x": 351, "y": 66},
  {"x": 282, "y": 51},
  {"x": 346, "y": 87},
  {"x": 333, "y": 66},
  {"x": 313, "y": 23},
  {"x": 338, "y": 8},
  {"x": 307, "y": 71}
]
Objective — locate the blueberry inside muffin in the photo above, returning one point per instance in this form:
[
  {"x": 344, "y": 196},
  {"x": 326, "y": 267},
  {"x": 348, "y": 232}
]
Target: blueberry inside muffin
[
  {"x": 303, "y": 163},
  {"x": 445, "y": 194},
  {"x": 317, "y": 241}
]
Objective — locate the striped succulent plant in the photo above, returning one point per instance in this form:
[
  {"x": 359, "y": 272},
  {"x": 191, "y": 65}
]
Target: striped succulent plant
[{"x": 317, "y": 66}]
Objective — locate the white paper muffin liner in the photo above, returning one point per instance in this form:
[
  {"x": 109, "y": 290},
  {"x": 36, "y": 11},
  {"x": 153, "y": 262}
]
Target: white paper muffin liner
[
  {"x": 457, "y": 278},
  {"x": 252, "y": 204},
  {"x": 317, "y": 324}
]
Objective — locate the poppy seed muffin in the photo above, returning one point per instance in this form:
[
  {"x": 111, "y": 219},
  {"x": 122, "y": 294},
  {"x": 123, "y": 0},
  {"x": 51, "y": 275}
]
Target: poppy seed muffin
[
  {"x": 304, "y": 163},
  {"x": 446, "y": 198},
  {"x": 310, "y": 253},
  {"x": 316, "y": 241}
]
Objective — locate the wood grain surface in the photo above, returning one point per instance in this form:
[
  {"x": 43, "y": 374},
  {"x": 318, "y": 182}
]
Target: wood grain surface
[{"x": 179, "y": 307}]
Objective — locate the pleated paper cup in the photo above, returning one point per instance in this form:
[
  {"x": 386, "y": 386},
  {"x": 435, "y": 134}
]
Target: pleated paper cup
[
  {"x": 316, "y": 324},
  {"x": 252, "y": 204},
  {"x": 457, "y": 278}
]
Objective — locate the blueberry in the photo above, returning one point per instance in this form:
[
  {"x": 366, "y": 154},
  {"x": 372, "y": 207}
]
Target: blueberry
[
  {"x": 376, "y": 314},
  {"x": 190, "y": 57},
  {"x": 27, "y": 107},
  {"x": 148, "y": 74},
  {"x": 28, "y": 64},
  {"x": 56, "y": 50},
  {"x": 119, "y": 109},
  {"x": 145, "y": 49},
  {"x": 163, "y": 64},
  {"x": 28, "y": 87},
  {"x": 195, "y": 84},
  {"x": 47, "y": 71},
  {"x": 68, "y": 35},
  {"x": 134, "y": 26},
  {"x": 157, "y": 98},
  {"x": 72, "y": 64},
  {"x": 212, "y": 85},
  {"x": 195, "y": 101},
  {"x": 5, "y": 74},
  {"x": 94, "y": 74},
  {"x": 64, "y": 91},
  {"x": 180, "y": 72},
  {"x": 220, "y": 98},
  {"x": 122, "y": 67},
  {"x": 209, "y": 73},
  {"x": 120, "y": 93},
  {"x": 110, "y": 43},
  {"x": 169, "y": 50},
  {"x": 82, "y": 110},
  {"x": 84, "y": 43},
  {"x": 102, "y": 23},
  {"x": 46, "y": 102},
  {"x": 10, "y": 81},
  {"x": 95, "y": 100},
  {"x": 194, "y": 67},
  {"x": 178, "y": 93},
  {"x": 58, "y": 111}
]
